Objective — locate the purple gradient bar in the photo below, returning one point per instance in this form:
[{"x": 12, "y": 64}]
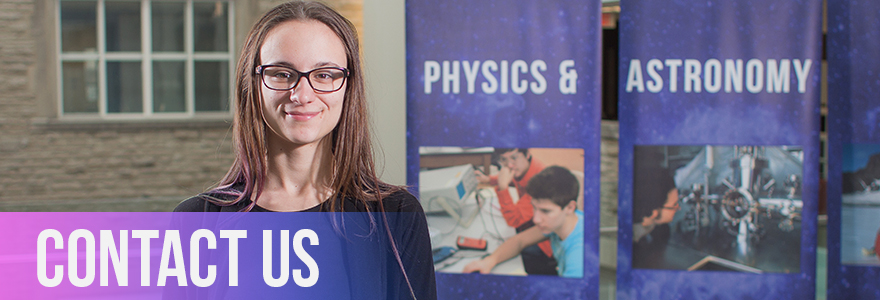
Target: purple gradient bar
[{"x": 350, "y": 247}]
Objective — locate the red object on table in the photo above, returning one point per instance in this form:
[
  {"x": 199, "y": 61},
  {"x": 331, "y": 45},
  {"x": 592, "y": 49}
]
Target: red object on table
[{"x": 877, "y": 244}]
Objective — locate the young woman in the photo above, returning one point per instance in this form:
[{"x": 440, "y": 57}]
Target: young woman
[{"x": 302, "y": 142}]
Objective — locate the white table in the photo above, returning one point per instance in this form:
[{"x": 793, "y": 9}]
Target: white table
[{"x": 489, "y": 224}]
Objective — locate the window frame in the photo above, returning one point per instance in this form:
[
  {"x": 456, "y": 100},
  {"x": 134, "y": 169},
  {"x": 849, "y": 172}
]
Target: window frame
[{"x": 146, "y": 57}]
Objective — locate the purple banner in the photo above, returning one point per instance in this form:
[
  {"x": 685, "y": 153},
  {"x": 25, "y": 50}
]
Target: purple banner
[
  {"x": 853, "y": 149},
  {"x": 719, "y": 132}
]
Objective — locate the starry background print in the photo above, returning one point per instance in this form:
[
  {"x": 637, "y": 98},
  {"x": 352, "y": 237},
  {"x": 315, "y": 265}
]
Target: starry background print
[
  {"x": 853, "y": 118},
  {"x": 719, "y": 29},
  {"x": 497, "y": 30}
]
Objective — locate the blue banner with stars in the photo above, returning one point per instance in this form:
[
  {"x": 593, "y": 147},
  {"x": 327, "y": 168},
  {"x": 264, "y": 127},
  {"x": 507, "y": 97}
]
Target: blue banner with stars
[
  {"x": 719, "y": 135},
  {"x": 486, "y": 75},
  {"x": 853, "y": 150}
]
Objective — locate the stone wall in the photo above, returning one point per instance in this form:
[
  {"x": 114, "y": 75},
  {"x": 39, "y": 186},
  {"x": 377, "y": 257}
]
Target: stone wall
[{"x": 608, "y": 178}]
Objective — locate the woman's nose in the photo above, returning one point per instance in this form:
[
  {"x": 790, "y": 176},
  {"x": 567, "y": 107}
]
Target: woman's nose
[{"x": 302, "y": 92}]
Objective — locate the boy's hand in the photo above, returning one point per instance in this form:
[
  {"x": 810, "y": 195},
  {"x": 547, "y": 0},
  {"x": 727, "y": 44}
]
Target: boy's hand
[
  {"x": 505, "y": 176},
  {"x": 482, "y": 266},
  {"x": 481, "y": 177}
]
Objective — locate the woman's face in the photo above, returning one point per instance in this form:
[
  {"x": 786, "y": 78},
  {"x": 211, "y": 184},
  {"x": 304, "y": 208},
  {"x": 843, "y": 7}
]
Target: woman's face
[{"x": 302, "y": 116}]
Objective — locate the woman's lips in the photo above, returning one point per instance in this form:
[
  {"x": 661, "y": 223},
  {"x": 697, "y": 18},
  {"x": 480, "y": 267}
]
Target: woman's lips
[{"x": 302, "y": 116}]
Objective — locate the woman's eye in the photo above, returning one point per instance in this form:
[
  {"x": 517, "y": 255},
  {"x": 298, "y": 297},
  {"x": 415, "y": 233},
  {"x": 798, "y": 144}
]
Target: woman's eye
[
  {"x": 324, "y": 76},
  {"x": 284, "y": 75}
]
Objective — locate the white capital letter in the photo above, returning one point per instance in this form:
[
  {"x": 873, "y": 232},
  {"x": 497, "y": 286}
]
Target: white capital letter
[
  {"x": 540, "y": 85},
  {"x": 673, "y": 65},
  {"x": 118, "y": 258},
  {"x": 305, "y": 257},
  {"x": 754, "y": 76},
  {"x": 194, "y": 258},
  {"x": 470, "y": 74},
  {"x": 233, "y": 236},
  {"x": 778, "y": 79},
  {"x": 504, "y": 77},
  {"x": 432, "y": 74},
  {"x": 284, "y": 259},
  {"x": 171, "y": 245},
  {"x": 518, "y": 86},
  {"x": 712, "y": 75},
  {"x": 692, "y": 76},
  {"x": 801, "y": 71},
  {"x": 491, "y": 84},
  {"x": 72, "y": 258},
  {"x": 451, "y": 77},
  {"x": 634, "y": 77},
  {"x": 733, "y": 75},
  {"x": 44, "y": 279},
  {"x": 145, "y": 236},
  {"x": 656, "y": 83}
]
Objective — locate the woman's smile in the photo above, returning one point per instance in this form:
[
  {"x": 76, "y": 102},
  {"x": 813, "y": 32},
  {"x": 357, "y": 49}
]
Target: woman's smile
[{"x": 302, "y": 116}]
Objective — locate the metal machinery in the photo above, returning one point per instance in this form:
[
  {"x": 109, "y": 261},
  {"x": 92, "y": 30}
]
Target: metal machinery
[{"x": 756, "y": 188}]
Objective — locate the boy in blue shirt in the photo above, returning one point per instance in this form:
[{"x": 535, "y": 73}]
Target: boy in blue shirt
[{"x": 554, "y": 194}]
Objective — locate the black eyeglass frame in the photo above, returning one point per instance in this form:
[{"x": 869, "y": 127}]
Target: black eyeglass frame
[{"x": 300, "y": 75}]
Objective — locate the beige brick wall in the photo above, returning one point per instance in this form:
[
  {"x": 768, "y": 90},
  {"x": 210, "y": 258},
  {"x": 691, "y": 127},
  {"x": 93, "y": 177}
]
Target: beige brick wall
[{"x": 48, "y": 165}]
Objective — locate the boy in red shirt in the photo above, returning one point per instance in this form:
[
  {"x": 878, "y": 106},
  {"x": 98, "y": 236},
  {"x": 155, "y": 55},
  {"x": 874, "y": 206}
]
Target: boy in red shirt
[{"x": 517, "y": 167}]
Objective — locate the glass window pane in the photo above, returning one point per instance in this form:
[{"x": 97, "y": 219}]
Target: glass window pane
[
  {"x": 80, "y": 86},
  {"x": 123, "y": 26},
  {"x": 210, "y": 26},
  {"x": 212, "y": 85},
  {"x": 79, "y": 29},
  {"x": 124, "y": 87},
  {"x": 169, "y": 93},
  {"x": 167, "y": 26}
]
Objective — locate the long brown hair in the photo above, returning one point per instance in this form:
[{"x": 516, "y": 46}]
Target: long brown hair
[{"x": 353, "y": 170}]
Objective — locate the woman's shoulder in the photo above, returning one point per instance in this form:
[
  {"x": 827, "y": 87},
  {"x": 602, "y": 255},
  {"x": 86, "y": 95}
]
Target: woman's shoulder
[
  {"x": 197, "y": 203},
  {"x": 399, "y": 200},
  {"x": 207, "y": 202},
  {"x": 402, "y": 201}
]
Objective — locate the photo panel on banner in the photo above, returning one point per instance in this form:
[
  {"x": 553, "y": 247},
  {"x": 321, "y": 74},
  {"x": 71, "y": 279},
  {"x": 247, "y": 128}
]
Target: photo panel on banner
[
  {"x": 503, "y": 135},
  {"x": 719, "y": 121},
  {"x": 717, "y": 208},
  {"x": 853, "y": 150}
]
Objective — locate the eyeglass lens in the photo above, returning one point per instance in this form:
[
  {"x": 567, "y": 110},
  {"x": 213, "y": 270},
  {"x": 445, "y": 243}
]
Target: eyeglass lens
[{"x": 321, "y": 79}]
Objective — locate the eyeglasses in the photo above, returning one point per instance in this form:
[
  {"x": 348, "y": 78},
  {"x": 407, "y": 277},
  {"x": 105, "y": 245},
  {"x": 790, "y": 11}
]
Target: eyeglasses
[{"x": 281, "y": 78}]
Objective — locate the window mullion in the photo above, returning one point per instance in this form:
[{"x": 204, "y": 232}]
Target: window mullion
[
  {"x": 102, "y": 61},
  {"x": 190, "y": 65},
  {"x": 147, "y": 61},
  {"x": 59, "y": 62}
]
